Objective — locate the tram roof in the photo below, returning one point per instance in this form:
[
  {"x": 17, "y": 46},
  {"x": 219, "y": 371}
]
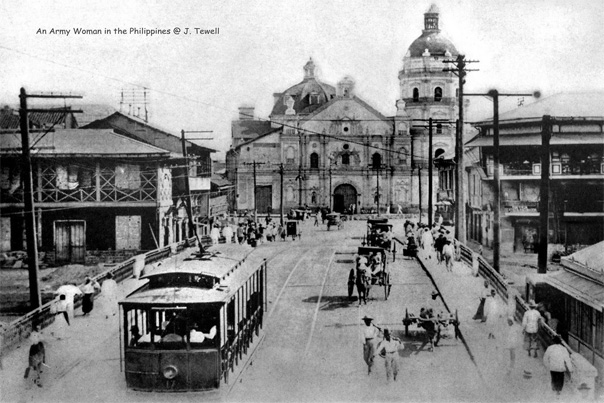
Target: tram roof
[
  {"x": 222, "y": 292},
  {"x": 224, "y": 259}
]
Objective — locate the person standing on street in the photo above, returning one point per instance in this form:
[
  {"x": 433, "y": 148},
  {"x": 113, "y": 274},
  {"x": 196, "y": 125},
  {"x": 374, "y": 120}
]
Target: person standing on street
[
  {"x": 317, "y": 219},
  {"x": 88, "y": 300},
  {"x": 370, "y": 335},
  {"x": 511, "y": 342},
  {"x": 109, "y": 296},
  {"x": 492, "y": 313},
  {"x": 484, "y": 294},
  {"x": 558, "y": 361},
  {"x": 530, "y": 326},
  {"x": 388, "y": 348}
]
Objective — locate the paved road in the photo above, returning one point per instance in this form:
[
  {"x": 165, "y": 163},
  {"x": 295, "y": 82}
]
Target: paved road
[{"x": 312, "y": 346}]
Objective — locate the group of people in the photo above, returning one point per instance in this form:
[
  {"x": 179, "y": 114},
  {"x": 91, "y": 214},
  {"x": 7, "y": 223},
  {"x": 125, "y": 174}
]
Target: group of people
[
  {"x": 556, "y": 358},
  {"x": 63, "y": 308},
  {"x": 387, "y": 348}
]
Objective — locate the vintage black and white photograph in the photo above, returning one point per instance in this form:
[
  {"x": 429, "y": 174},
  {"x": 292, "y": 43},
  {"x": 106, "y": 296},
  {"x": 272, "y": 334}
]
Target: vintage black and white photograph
[{"x": 301, "y": 201}]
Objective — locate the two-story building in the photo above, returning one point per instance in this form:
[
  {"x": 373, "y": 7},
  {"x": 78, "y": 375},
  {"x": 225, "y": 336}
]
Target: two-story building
[
  {"x": 93, "y": 190},
  {"x": 203, "y": 205},
  {"x": 576, "y": 207}
]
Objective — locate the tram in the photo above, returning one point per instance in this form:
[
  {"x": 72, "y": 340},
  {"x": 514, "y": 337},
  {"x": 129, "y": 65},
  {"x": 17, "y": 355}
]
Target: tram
[{"x": 187, "y": 328}]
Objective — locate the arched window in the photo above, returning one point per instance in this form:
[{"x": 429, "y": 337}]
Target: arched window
[
  {"x": 314, "y": 160},
  {"x": 439, "y": 128},
  {"x": 438, "y": 94},
  {"x": 345, "y": 159},
  {"x": 439, "y": 153},
  {"x": 416, "y": 95},
  {"x": 376, "y": 161}
]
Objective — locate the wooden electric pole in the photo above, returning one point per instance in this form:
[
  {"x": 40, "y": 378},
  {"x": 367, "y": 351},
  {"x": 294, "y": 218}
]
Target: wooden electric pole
[
  {"x": 28, "y": 191},
  {"x": 460, "y": 219},
  {"x": 546, "y": 135}
]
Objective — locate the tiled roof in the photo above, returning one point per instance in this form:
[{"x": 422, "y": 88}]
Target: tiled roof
[
  {"x": 39, "y": 119},
  {"x": 74, "y": 142},
  {"x": 174, "y": 142}
]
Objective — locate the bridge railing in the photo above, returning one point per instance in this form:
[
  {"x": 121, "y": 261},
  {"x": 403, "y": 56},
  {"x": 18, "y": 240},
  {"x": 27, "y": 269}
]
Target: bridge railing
[{"x": 20, "y": 329}]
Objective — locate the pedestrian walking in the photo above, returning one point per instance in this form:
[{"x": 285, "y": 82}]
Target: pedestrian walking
[
  {"x": 37, "y": 356},
  {"x": 512, "y": 340},
  {"x": 492, "y": 314},
  {"x": 370, "y": 335},
  {"x": 89, "y": 289},
  {"x": 557, "y": 360},
  {"x": 448, "y": 253},
  {"x": 240, "y": 234},
  {"x": 399, "y": 209},
  {"x": 109, "y": 296},
  {"x": 215, "y": 234},
  {"x": 227, "y": 233},
  {"x": 61, "y": 308},
  {"x": 439, "y": 244},
  {"x": 486, "y": 291},
  {"x": 317, "y": 220},
  {"x": 530, "y": 326},
  {"x": 388, "y": 348}
]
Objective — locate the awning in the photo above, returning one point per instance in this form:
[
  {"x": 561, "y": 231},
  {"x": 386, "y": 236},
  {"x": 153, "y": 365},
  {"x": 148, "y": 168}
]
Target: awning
[
  {"x": 535, "y": 140},
  {"x": 586, "y": 291}
]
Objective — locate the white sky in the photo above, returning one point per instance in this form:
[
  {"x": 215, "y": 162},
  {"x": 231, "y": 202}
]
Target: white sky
[{"x": 198, "y": 82}]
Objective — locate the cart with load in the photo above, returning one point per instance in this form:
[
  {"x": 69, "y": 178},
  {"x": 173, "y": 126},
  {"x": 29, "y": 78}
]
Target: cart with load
[
  {"x": 292, "y": 228},
  {"x": 379, "y": 233},
  {"x": 376, "y": 271}
]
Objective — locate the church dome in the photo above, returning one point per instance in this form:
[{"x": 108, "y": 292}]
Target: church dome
[
  {"x": 431, "y": 38},
  {"x": 304, "y": 97}
]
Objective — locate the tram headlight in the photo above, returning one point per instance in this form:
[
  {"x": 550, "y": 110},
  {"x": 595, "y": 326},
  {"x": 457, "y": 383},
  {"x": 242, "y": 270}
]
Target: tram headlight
[{"x": 170, "y": 372}]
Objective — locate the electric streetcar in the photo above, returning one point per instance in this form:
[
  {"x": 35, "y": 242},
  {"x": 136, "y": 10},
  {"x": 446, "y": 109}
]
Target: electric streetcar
[{"x": 187, "y": 328}]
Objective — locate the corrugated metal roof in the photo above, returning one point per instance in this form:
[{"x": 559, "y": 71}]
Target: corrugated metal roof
[
  {"x": 591, "y": 256},
  {"x": 578, "y": 104},
  {"x": 71, "y": 142},
  {"x": 535, "y": 140},
  {"x": 584, "y": 290}
]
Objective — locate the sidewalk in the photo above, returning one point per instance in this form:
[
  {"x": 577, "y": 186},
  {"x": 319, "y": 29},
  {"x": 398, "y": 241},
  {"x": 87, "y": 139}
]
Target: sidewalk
[{"x": 461, "y": 290}]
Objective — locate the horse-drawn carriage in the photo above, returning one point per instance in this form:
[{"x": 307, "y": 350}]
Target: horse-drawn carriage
[
  {"x": 379, "y": 233},
  {"x": 371, "y": 268},
  {"x": 334, "y": 220}
]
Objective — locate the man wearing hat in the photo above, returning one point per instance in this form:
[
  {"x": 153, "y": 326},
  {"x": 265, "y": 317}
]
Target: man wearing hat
[
  {"x": 370, "y": 335},
  {"x": 558, "y": 361},
  {"x": 388, "y": 349},
  {"x": 530, "y": 327}
]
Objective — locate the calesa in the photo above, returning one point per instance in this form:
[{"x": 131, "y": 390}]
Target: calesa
[{"x": 187, "y": 328}]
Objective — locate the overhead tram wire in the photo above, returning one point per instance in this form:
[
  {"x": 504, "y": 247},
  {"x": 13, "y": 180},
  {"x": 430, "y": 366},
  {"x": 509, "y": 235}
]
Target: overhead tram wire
[{"x": 185, "y": 98}]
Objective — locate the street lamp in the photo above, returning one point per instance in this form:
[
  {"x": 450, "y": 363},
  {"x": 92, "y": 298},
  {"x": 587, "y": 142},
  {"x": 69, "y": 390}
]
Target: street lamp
[{"x": 494, "y": 94}]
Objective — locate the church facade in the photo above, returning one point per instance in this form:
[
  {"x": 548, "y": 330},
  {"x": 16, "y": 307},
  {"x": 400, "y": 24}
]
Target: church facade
[{"x": 323, "y": 146}]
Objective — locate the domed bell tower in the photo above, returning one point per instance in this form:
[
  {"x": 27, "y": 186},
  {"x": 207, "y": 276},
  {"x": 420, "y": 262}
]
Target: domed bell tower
[{"x": 426, "y": 91}]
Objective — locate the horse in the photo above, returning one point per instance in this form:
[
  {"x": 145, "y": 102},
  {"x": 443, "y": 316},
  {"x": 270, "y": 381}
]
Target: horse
[
  {"x": 363, "y": 283},
  {"x": 448, "y": 254},
  {"x": 36, "y": 359}
]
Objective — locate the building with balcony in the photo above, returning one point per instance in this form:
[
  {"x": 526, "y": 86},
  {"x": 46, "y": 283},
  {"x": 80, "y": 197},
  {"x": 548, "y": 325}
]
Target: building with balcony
[
  {"x": 93, "y": 190},
  {"x": 576, "y": 198},
  {"x": 176, "y": 226}
]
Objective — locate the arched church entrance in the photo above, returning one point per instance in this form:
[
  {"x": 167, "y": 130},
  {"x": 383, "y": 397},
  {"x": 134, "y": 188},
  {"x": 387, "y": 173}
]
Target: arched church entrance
[{"x": 343, "y": 196}]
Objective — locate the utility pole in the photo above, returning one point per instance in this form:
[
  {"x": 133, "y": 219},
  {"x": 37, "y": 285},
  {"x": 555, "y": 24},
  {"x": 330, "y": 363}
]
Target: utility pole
[
  {"x": 28, "y": 191},
  {"x": 546, "y": 135},
  {"x": 255, "y": 208},
  {"x": 281, "y": 171},
  {"x": 460, "y": 220},
  {"x": 378, "y": 189},
  {"x": 192, "y": 226},
  {"x": 330, "y": 191},
  {"x": 430, "y": 178},
  {"x": 419, "y": 176},
  {"x": 494, "y": 94}
]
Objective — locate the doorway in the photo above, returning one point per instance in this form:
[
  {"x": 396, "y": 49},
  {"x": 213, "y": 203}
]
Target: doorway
[
  {"x": 344, "y": 196},
  {"x": 70, "y": 241}
]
